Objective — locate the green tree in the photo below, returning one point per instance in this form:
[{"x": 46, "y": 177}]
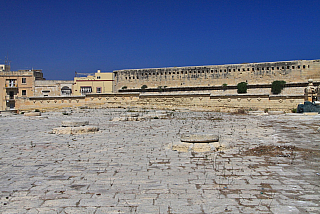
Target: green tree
[
  {"x": 144, "y": 87},
  {"x": 277, "y": 86},
  {"x": 242, "y": 87}
]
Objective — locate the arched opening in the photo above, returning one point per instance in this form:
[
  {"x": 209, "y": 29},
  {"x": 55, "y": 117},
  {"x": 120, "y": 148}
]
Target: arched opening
[{"x": 65, "y": 90}]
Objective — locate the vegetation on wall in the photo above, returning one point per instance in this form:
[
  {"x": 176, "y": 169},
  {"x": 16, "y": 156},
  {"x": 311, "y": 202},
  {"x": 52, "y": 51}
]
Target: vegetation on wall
[
  {"x": 224, "y": 86},
  {"x": 242, "y": 87},
  {"x": 277, "y": 86},
  {"x": 124, "y": 87},
  {"x": 144, "y": 87}
]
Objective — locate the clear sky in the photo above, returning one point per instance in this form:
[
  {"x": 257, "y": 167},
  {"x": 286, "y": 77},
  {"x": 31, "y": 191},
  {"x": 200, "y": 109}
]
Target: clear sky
[{"x": 64, "y": 36}]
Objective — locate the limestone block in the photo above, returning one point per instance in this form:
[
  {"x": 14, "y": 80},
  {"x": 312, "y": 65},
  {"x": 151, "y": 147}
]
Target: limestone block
[
  {"x": 75, "y": 130},
  {"x": 256, "y": 112},
  {"x": 310, "y": 113},
  {"x": 131, "y": 114},
  {"x": 318, "y": 130},
  {"x": 68, "y": 123},
  {"x": 199, "y": 138},
  {"x": 202, "y": 147},
  {"x": 30, "y": 114},
  {"x": 181, "y": 147},
  {"x": 275, "y": 112}
]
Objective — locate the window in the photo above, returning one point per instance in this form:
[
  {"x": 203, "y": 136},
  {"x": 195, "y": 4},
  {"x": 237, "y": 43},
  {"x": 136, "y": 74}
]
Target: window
[
  {"x": 98, "y": 77},
  {"x": 24, "y": 80},
  {"x": 65, "y": 90},
  {"x": 85, "y": 89},
  {"x": 24, "y": 92},
  {"x": 99, "y": 90}
]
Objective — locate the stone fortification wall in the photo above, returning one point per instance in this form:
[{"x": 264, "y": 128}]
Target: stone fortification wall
[
  {"x": 216, "y": 75},
  {"x": 194, "y": 101}
]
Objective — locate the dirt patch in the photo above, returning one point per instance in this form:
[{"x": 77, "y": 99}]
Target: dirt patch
[{"x": 282, "y": 151}]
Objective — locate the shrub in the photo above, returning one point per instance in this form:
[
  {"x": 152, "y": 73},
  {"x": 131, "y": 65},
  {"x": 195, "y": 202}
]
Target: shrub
[
  {"x": 242, "y": 87},
  {"x": 124, "y": 87},
  {"x": 144, "y": 87},
  {"x": 277, "y": 86},
  {"x": 266, "y": 110},
  {"x": 224, "y": 86},
  {"x": 294, "y": 110}
]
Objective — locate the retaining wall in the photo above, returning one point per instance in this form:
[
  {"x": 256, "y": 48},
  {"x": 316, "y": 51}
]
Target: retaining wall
[{"x": 194, "y": 101}]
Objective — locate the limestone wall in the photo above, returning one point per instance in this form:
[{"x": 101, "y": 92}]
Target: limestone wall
[
  {"x": 216, "y": 75},
  {"x": 195, "y": 101}
]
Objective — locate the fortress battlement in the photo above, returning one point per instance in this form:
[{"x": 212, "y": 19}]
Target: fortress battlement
[{"x": 215, "y": 75}]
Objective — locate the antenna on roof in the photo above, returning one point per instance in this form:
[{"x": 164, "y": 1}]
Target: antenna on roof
[{"x": 7, "y": 61}]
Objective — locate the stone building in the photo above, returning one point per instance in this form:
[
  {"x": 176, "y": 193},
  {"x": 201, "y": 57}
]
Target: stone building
[
  {"x": 215, "y": 75},
  {"x": 99, "y": 82},
  {"x": 44, "y": 88},
  {"x": 15, "y": 84}
]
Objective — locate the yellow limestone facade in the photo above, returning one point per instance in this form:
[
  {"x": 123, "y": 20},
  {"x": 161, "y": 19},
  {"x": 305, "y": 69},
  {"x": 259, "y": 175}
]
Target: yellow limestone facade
[
  {"x": 99, "y": 82},
  {"x": 14, "y": 85}
]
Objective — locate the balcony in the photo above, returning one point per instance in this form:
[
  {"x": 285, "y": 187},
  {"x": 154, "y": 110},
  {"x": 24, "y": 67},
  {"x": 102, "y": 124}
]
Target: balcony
[{"x": 11, "y": 85}]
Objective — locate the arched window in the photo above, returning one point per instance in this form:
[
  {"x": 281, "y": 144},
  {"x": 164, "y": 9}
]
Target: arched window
[{"x": 65, "y": 90}]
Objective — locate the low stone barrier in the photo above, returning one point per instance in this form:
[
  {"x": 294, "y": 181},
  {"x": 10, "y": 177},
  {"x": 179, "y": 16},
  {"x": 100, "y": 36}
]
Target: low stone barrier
[
  {"x": 74, "y": 123},
  {"x": 30, "y": 114}
]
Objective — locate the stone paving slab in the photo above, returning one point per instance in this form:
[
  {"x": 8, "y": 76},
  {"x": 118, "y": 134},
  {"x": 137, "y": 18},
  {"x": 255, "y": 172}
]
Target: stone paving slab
[{"x": 128, "y": 167}]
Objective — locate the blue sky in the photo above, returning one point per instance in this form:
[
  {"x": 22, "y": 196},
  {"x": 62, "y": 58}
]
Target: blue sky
[{"x": 62, "y": 37}]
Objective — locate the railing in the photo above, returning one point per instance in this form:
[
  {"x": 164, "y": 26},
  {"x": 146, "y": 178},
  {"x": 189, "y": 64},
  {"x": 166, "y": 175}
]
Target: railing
[{"x": 11, "y": 85}]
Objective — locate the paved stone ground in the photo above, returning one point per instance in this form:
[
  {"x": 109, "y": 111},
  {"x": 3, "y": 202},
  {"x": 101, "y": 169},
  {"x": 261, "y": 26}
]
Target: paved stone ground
[{"x": 128, "y": 166}]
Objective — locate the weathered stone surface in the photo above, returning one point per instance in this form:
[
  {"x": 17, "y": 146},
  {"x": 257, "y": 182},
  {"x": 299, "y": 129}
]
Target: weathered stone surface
[
  {"x": 154, "y": 116},
  {"x": 69, "y": 123},
  {"x": 130, "y": 167},
  {"x": 275, "y": 112},
  {"x": 181, "y": 147},
  {"x": 75, "y": 130},
  {"x": 257, "y": 112},
  {"x": 137, "y": 117},
  {"x": 30, "y": 114},
  {"x": 199, "y": 138},
  {"x": 131, "y": 114}
]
